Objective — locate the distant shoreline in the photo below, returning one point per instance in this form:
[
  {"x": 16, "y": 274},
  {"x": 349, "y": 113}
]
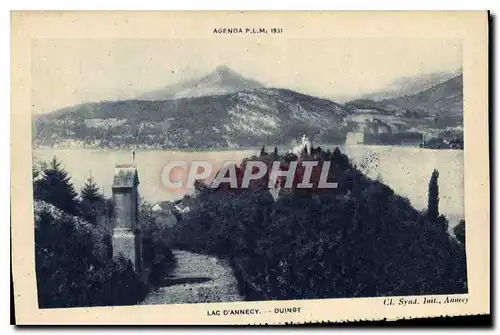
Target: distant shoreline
[
  {"x": 268, "y": 147},
  {"x": 149, "y": 149}
]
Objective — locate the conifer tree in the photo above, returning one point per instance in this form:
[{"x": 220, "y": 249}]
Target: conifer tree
[
  {"x": 90, "y": 191},
  {"x": 263, "y": 151},
  {"x": 55, "y": 187},
  {"x": 304, "y": 150},
  {"x": 93, "y": 203},
  {"x": 336, "y": 152},
  {"x": 275, "y": 152},
  {"x": 433, "y": 200}
]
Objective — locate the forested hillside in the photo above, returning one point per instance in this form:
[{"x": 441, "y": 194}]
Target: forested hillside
[{"x": 358, "y": 240}]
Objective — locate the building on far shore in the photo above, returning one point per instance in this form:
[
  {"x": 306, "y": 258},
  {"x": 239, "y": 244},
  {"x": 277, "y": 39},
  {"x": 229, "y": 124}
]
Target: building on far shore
[
  {"x": 305, "y": 143},
  {"x": 413, "y": 139},
  {"x": 354, "y": 138}
]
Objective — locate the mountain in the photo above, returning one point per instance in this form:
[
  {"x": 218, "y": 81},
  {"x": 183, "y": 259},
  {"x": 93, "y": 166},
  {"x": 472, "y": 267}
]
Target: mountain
[
  {"x": 224, "y": 109},
  {"x": 440, "y": 106},
  {"x": 406, "y": 86},
  {"x": 221, "y": 81},
  {"x": 246, "y": 118},
  {"x": 446, "y": 97}
]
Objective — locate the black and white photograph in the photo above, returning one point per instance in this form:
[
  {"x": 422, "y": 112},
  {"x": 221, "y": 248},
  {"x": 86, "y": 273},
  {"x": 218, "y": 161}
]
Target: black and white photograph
[{"x": 249, "y": 167}]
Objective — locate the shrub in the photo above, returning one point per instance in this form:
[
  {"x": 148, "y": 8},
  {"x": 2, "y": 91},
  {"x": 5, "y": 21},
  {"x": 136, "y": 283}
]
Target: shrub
[
  {"x": 72, "y": 264},
  {"x": 156, "y": 253},
  {"x": 359, "y": 240}
]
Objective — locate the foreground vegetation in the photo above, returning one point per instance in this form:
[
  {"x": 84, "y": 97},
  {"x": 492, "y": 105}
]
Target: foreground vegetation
[
  {"x": 73, "y": 255},
  {"x": 359, "y": 240}
]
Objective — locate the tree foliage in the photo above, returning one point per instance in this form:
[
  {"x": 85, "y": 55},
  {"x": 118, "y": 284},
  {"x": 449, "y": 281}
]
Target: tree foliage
[
  {"x": 156, "y": 254},
  {"x": 90, "y": 191},
  {"x": 72, "y": 264},
  {"x": 358, "y": 240},
  {"x": 263, "y": 151},
  {"x": 433, "y": 197},
  {"x": 459, "y": 231},
  {"x": 92, "y": 204},
  {"x": 53, "y": 185}
]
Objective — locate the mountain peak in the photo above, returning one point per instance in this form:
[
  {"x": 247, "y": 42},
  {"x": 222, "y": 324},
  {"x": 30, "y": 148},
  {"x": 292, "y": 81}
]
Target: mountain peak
[
  {"x": 222, "y": 72},
  {"x": 227, "y": 76},
  {"x": 222, "y": 80},
  {"x": 223, "y": 69}
]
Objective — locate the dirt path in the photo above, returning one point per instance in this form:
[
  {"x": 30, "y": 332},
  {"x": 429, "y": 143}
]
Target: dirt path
[{"x": 196, "y": 279}]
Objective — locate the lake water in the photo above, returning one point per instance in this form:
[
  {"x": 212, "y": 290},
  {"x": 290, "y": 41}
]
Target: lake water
[{"x": 407, "y": 170}]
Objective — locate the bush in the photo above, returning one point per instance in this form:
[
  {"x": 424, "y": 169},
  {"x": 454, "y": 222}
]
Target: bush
[
  {"x": 116, "y": 284},
  {"x": 359, "y": 240},
  {"x": 72, "y": 264},
  {"x": 156, "y": 253}
]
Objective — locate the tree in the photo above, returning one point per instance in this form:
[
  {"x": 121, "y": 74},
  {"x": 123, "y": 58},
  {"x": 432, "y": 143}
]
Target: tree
[
  {"x": 459, "y": 231},
  {"x": 263, "y": 151},
  {"x": 73, "y": 271},
  {"x": 93, "y": 204},
  {"x": 433, "y": 202},
  {"x": 327, "y": 246},
  {"x": 200, "y": 185},
  {"x": 90, "y": 191},
  {"x": 55, "y": 187},
  {"x": 304, "y": 151},
  {"x": 156, "y": 253},
  {"x": 275, "y": 152},
  {"x": 35, "y": 173}
]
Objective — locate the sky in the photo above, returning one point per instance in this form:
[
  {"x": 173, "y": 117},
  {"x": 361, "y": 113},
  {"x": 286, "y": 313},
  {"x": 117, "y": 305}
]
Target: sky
[{"x": 67, "y": 72}]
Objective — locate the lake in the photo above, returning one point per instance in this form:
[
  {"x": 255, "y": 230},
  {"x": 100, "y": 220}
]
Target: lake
[{"x": 406, "y": 170}]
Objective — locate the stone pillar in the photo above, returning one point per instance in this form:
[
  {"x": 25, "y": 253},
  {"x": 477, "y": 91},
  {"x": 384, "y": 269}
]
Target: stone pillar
[{"x": 127, "y": 239}]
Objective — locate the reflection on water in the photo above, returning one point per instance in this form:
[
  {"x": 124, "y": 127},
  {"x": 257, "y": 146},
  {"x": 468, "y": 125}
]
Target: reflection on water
[{"x": 407, "y": 170}]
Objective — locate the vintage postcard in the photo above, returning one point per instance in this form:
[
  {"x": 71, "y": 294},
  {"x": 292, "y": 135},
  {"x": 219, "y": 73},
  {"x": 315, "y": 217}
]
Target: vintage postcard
[{"x": 249, "y": 167}]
